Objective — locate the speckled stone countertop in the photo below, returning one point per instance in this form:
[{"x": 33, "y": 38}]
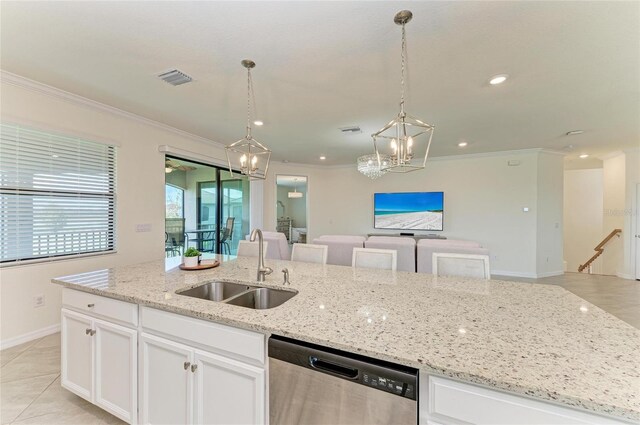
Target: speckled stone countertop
[{"x": 536, "y": 340}]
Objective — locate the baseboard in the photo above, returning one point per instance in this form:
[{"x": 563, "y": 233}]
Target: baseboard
[
  {"x": 549, "y": 274},
  {"x": 21, "y": 339},
  {"x": 526, "y": 274},
  {"x": 625, "y": 276},
  {"x": 513, "y": 274}
]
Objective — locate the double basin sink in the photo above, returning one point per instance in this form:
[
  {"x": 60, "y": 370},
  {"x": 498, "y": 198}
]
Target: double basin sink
[{"x": 240, "y": 294}]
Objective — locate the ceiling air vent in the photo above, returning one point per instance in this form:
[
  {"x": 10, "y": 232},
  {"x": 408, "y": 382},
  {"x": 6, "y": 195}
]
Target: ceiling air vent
[
  {"x": 175, "y": 77},
  {"x": 352, "y": 129}
]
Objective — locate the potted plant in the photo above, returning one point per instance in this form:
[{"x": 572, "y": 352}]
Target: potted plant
[{"x": 191, "y": 257}]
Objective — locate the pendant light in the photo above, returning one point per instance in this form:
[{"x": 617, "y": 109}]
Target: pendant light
[
  {"x": 404, "y": 136},
  {"x": 247, "y": 154},
  {"x": 295, "y": 194}
]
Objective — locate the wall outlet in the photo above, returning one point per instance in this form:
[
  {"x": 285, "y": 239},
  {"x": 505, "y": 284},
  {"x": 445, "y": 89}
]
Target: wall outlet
[
  {"x": 145, "y": 227},
  {"x": 38, "y": 300}
]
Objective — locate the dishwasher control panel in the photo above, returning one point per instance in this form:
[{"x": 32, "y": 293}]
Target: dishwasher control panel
[{"x": 389, "y": 385}]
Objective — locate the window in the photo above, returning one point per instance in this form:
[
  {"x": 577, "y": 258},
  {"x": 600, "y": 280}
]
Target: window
[
  {"x": 57, "y": 195},
  {"x": 174, "y": 201}
]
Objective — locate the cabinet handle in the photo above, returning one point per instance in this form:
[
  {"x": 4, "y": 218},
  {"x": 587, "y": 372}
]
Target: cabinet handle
[
  {"x": 91, "y": 305},
  {"x": 87, "y": 331},
  {"x": 186, "y": 365},
  {"x": 194, "y": 367}
]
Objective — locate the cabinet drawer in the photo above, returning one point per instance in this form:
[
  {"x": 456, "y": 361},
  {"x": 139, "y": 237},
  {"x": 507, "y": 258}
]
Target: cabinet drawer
[
  {"x": 95, "y": 305},
  {"x": 452, "y": 402},
  {"x": 206, "y": 335}
]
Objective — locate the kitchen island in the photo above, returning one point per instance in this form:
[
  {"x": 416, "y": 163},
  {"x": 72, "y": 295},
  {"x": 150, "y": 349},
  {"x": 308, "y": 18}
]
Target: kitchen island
[{"x": 537, "y": 341}]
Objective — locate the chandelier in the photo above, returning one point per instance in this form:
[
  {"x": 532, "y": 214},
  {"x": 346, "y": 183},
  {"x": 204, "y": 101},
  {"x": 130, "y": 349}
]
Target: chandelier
[
  {"x": 247, "y": 154},
  {"x": 372, "y": 167},
  {"x": 404, "y": 138}
]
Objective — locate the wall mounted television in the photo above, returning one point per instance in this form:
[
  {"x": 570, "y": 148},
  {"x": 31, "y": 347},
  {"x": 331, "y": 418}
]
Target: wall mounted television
[{"x": 408, "y": 211}]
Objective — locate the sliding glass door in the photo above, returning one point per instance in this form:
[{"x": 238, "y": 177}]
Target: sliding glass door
[{"x": 215, "y": 208}]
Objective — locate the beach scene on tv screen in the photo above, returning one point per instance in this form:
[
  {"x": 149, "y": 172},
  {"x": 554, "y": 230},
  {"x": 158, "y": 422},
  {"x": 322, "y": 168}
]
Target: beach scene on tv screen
[{"x": 408, "y": 211}]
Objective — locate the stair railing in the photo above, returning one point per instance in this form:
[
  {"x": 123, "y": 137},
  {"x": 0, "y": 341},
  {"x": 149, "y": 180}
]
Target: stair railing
[{"x": 600, "y": 249}]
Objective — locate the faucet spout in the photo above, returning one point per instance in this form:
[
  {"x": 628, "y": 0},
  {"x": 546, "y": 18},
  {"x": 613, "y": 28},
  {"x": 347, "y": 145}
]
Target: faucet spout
[{"x": 262, "y": 269}]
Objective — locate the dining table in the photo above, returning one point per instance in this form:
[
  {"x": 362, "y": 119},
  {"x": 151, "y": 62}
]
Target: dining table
[{"x": 203, "y": 238}]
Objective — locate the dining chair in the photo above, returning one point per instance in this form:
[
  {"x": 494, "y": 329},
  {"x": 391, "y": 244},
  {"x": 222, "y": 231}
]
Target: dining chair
[
  {"x": 309, "y": 253},
  {"x": 463, "y": 265},
  {"x": 372, "y": 258},
  {"x": 250, "y": 249},
  {"x": 227, "y": 235}
]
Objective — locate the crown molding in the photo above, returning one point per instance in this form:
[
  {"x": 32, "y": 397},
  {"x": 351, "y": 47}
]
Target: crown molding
[
  {"x": 610, "y": 155},
  {"x": 41, "y": 88}
]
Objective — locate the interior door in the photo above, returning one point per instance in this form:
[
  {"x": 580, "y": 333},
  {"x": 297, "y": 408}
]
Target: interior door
[
  {"x": 116, "y": 366},
  {"x": 77, "y": 353},
  {"x": 227, "y": 391},
  {"x": 165, "y": 381}
]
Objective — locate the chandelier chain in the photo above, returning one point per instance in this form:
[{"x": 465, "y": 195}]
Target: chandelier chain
[
  {"x": 249, "y": 101},
  {"x": 402, "y": 67}
]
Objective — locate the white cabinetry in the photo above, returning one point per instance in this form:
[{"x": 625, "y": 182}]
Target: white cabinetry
[
  {"x": 448, "y": 402},
  {"x": 215, "y": 376},
  {"x": 99, "y": 358}
]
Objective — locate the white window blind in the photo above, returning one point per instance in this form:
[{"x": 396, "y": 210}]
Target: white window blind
[{"x": 57, "y": 195}]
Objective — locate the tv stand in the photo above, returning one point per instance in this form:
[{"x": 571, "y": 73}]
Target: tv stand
[{"x": 416, "y": 237}]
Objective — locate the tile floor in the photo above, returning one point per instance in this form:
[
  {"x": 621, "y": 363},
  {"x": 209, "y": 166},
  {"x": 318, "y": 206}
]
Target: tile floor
[{"x": 30, "y": 391}]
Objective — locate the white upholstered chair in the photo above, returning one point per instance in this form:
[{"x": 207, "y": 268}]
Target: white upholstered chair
[
  {"x": 340, "y": 247},
  {"x": 464, "y": 265},
  {"x": 426, "y": 248},
  {"x": 405, "y": 247},
  {"x": 250, "y": 249},
  {"x": 278, "y": 246},
  {"x": 374, "y": 258},
  {"x": 309, "y": 253}
]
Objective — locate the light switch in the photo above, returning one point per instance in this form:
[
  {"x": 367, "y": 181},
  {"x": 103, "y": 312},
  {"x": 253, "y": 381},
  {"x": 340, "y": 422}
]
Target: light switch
[{"x": 525, "y": 209}]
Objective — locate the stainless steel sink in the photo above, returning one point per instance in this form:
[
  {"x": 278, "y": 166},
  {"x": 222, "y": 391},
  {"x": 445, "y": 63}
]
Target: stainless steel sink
[
  {"x": 239, "y": 294},
  {"x": 261, "y": 298},
  {"x": 215, "y": 291}
]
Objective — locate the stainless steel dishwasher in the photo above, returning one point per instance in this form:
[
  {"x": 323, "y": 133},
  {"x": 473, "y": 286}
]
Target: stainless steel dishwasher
[{"x": 313, "y": 385}]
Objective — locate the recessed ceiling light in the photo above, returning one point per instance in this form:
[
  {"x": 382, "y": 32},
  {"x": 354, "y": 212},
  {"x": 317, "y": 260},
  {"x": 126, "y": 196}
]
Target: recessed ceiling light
[
  {"x": 462, "y": 144},
  {"x": 322, "y": 158},
  {"x": 574, "y": 132},
  {"x": 584, "y": 155},
  {"x": 258, "y": 123},
  {"x": 498, "y": 79}
]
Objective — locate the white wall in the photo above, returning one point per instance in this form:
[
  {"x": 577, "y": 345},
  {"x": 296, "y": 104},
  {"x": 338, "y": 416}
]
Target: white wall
[
  {"x": 484, "y": 201},
  {"x": 549, "y": 245},
  {"x": 629, "y": 230},
  {"x": 140, "y": 194},
  {"x": 583, "y": 216},
  {"x": 613, "y": 206}
]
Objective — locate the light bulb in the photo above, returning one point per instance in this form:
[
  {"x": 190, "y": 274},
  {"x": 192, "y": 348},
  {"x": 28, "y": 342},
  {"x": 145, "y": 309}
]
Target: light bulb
[
  {"x": 168, "y": 169},
  {"x": 394, "y": 146},
  {"x": 254, "y": 161},
  {"x": 243, "y": 160},
  {"x": 410, "y": 141}
]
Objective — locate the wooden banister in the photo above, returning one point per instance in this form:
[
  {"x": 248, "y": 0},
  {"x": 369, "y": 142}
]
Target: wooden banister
[{"x": 600, "y": 249}]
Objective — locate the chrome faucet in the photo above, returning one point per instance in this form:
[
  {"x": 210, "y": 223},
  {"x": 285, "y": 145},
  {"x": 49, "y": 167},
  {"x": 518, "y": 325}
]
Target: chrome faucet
[{"x": 262, "y": 270}]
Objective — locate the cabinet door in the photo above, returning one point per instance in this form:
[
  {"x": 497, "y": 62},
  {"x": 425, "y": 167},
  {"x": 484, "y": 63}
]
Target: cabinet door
[
  {"x": 165, "y": 381},
  {"x": 116, "y": 370},
  {"x": 227, "y": 391},
  {"x": 77, "y": 353}
]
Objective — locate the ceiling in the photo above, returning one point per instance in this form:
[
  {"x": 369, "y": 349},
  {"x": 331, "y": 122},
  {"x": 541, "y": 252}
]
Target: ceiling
[{"x": 325, "y": 65}]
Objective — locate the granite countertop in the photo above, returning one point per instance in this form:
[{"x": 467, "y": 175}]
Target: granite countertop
[{"x": 530, "y": 339}]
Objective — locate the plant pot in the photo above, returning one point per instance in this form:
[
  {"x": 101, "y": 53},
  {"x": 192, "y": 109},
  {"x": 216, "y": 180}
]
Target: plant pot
[{"x": 191, "y": 261}]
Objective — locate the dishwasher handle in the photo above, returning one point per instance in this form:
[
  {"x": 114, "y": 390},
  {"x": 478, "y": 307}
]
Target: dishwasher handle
[{"x": 333, "y": 368}]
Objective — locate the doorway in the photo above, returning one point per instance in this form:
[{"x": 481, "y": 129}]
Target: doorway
[
  {"x": 206, "y": 208},
  {"x": 291, "y": 207}
]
